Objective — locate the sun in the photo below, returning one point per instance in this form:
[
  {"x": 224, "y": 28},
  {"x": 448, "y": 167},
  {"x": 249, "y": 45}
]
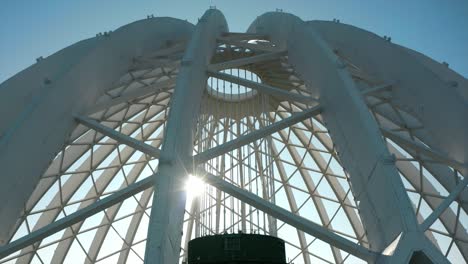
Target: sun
[{"x": 194, "y": 186}]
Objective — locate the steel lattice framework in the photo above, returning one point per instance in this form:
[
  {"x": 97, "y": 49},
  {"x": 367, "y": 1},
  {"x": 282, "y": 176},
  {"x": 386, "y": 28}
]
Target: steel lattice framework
[{"x": 349, "y": 147}]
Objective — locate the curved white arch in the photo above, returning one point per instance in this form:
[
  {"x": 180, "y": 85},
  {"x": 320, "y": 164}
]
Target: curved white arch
[{"x": 44, "y": 97}]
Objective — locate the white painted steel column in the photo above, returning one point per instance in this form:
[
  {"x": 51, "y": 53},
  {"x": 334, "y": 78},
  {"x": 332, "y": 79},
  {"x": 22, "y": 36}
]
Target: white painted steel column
[
  {"x": 165, "y": 227},
  {"x": 384, "y": 205}
]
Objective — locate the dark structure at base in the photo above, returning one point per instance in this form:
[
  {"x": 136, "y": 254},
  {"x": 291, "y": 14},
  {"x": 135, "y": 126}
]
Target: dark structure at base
[{"x": 236, "y": 249}]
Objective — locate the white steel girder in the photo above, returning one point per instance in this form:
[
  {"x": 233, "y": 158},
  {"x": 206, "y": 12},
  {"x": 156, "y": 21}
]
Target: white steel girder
[
  {"x": 251, "y": 137},
  {"x": 71, "y": 187},
  {"x": 164, "y": 231},
  {"x": 76, "y": 217},
  {"x": 242, "y": 62},
  {"x": 290, "y": 218},
  {"x": 262, "y": 87}
]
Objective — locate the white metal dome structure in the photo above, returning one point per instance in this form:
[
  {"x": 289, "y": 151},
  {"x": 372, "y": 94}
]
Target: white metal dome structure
[{"x": 349, "y": 147}]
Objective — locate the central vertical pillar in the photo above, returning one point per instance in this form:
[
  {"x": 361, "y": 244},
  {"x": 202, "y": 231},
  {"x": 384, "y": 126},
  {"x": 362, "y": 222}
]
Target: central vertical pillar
[{"x": 167, "y": 213}]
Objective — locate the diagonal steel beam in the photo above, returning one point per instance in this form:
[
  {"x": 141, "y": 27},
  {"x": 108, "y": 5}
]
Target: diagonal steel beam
[
  {"x": 149, "y": 89},
  {"x": 262, "y": 87},
  {"x": 247, "y": 45},
  {"x": 377, "y": 88},
  {"x": 296, "y": 221},
  {"x": 121, "y": 138},
  {"x": 243, "y": 36},
  {"x": 77, "y": 216},
  {"x": 415, "y": 146},
  {"x": 444, "y": 205},
  {"x": 256, "y": 135},
  {"x": 245, "y": 61}
]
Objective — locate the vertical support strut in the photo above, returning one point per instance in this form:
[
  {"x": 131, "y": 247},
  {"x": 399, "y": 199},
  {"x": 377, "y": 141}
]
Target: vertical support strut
[{"x": 166, "y": 222}]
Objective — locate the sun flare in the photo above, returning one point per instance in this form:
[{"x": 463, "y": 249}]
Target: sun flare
[{"x": 194, "y": 186}]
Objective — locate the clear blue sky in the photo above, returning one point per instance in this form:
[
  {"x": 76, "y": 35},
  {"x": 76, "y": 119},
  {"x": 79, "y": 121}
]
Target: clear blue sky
[{"x": 33, "y": 28}]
